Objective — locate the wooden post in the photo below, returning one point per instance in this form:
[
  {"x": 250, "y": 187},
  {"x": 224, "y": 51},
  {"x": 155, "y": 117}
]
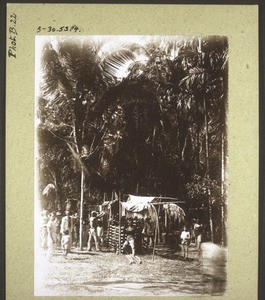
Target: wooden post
[
  {"x": 119, "y": 199},
  {"x": 137, "y": 188},
  {"x": 166, "y": 220},
  {"x": 81, "y": 210},
  {"x": 159, "y": 230},
  {"x": 155, "y": 242}
]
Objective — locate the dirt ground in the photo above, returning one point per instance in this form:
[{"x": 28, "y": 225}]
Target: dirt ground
[{"x": 105, "y": 273}]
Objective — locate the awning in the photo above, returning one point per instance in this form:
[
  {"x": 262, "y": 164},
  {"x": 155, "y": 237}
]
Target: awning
[{"x": 138, "y": 203}]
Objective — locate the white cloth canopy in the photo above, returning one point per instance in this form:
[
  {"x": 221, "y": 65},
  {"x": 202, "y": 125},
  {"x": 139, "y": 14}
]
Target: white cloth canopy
[{"x": 138, "y": 203}]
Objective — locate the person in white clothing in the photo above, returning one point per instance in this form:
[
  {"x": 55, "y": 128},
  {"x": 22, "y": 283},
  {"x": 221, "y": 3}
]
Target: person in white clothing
[
  {"x": 67, "y": 224},
  {"x": 197, "y": 229},
  {"x": 44, "y": 233},
  {"x": 51, "y": 239},
  {"x": 185, "y": 241},
  {"x": 65, "y": 242}
]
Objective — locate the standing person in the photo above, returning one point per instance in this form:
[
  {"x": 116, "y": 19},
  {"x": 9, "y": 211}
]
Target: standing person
[
  {"x": 100, "y": 233},
  {"x": 185, "y": 241},
  {"x": 65, "y": 242},
  {"x": 51, "y": 240},
  {"x": 130, "y": 241},
  {"x": 67, "y": 224},
  {"x": 198, "y": 242},
  {"x": 58, "y": 225},
  {"x": 93, "y": 230},
  {"x": 85, "y": 232},
  {"x": 44, "y": 233},
  {"x": 214, "y": 264},
  {"x": 192, "y": 232},
  {"x": 138, "y": 235},
  {"x": 148, "y": 232},
  {"x": 76, "y": 224},
  {"x": 197, "y": 227},
  {"x": 163, "y": 234},
  {"x": 162, "y": 227}
]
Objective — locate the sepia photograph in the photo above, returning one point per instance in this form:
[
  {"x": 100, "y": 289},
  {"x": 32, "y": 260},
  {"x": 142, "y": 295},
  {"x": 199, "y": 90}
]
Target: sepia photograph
[{"x": 130, "y": 159}]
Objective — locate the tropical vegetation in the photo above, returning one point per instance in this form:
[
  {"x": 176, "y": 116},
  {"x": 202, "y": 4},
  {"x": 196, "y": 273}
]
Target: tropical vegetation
[{"x": 144, "y": 116}]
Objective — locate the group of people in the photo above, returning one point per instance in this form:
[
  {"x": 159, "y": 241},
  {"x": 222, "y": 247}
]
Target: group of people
[
  {"x": 142, "y": 230},
  {"x": 58, "y": 230},
  {"x": 187, "y": 236},
  {"x": 193, "y": 235},
  {"x": 63, "y": 231}
]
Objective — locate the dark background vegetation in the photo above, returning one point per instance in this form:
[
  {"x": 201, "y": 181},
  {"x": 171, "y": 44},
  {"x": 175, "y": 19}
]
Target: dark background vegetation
[{"x": 159, "y": 130}]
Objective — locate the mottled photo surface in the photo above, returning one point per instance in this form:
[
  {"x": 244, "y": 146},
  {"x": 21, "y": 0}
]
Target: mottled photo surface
[{"x": 130, "y": 165}]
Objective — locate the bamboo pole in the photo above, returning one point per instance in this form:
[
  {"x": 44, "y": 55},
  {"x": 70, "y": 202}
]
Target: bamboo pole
[
  {"x": 169, "y": 198},
  {"x": 168, "y": 202}
]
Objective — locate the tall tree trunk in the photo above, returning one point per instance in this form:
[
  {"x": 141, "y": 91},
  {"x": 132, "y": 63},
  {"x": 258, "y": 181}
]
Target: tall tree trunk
[
  {"x": 197, "y": 137},
  {"x": 207, "y": 165},
  {"x": 223, "y": 190},
  {"x": 78, "y": 122},
  {"x": 224, "y": 154}
]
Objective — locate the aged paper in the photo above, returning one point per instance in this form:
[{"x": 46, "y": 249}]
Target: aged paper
[{"x": 238, "y": 23}]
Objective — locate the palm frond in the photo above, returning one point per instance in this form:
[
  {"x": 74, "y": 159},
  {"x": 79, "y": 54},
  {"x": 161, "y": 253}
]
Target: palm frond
[{"x": 55, "y": 80}]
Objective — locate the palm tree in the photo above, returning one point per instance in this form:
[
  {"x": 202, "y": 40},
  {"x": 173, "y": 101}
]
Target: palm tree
[
  {"x": 205, "y": 80},
  {"x": 76, "y": 74},
  {"x": 73, "y": 82},
  {"x": 133, "y": 117}
]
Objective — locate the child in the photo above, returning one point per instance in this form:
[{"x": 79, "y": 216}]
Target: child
[
  {"x": 185, "y": 241},
  {"x": 65, "y": 242}
]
